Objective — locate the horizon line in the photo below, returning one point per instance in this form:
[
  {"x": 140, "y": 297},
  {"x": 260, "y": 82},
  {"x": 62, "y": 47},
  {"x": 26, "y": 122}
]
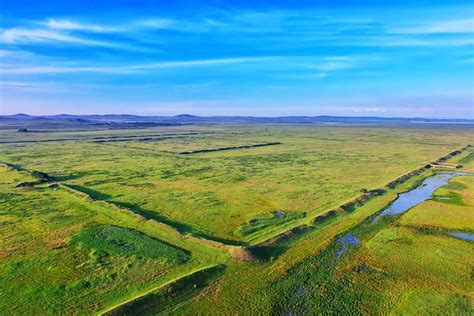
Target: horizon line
[{"x": 243, "y": 116}]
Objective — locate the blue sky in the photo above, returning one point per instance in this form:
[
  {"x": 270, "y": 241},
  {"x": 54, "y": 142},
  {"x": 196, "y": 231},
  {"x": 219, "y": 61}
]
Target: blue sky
[{"x": 265, "y": 58}]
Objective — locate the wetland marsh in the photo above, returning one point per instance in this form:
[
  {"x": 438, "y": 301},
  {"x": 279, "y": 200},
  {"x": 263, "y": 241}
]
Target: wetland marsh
[{"x": 159, "y": 220}]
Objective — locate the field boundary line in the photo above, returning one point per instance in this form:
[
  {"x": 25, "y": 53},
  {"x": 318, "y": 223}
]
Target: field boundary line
[{"x": 138, "y": 296}]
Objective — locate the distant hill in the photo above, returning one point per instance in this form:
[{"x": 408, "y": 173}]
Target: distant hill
[
  {"x": 185, "y": 115},
  {"x": 19, "y": 116},
  {"x": 117, "y": 121}
]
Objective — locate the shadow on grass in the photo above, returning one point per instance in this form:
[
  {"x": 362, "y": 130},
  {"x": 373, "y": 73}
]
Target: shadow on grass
[
  {"x": 181, "y": 227},
  {"x": 73, "y": 176},
  {"x": 95, "y": 195},
  {"x": 171, "y": 295}
]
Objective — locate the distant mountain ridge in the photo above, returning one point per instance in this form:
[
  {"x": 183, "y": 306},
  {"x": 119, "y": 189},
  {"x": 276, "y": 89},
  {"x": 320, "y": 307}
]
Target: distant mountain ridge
[{"x": 188, "y": 118}]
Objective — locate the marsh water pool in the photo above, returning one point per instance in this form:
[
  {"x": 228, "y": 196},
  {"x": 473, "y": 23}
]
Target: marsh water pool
[
  {"x": 406, "y": 201},
  {"x": 343, "y": 242}
]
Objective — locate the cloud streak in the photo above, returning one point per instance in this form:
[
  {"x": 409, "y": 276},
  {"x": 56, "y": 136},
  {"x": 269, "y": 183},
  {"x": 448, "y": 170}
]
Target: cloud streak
[
  {"x": 275, "y": 26},
  {"x": 75, "y": 26},
  {"x": 323, "y": 65},
  {"x": 465, "y": 26},
  {"x": 133, "y": 68},
  {"x": 31, "y": 36}
]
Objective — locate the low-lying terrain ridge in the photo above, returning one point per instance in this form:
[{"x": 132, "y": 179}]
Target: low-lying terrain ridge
[{"x": 195, "y": 216}]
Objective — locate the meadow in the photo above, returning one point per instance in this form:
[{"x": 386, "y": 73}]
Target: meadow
[{"x": 161, "y": 220}]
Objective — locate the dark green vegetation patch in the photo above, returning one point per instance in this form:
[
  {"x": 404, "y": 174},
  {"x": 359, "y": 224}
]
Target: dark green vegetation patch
[
  {"x": 467, "y": 159},
  {"x": 450, "y": 197},
  {"x": 114, "y": 240}
]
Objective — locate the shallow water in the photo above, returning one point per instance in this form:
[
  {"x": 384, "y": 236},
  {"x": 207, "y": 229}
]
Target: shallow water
[
  {"x": 465, "y": 236},
  {"x": 343, "y": 241},
  {"x": 279, "y": 214},
  {"x": 348, "y": 239},
  {"x": 406, "y": 201}
]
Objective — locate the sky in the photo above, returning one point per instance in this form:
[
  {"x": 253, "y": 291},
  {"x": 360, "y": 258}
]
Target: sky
[{"x": 261, "y": 58}]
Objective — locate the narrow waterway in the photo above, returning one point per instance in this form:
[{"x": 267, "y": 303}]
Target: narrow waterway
[
  {"x": 406, "y": 201},
  {"x": 464, "y": 236}
]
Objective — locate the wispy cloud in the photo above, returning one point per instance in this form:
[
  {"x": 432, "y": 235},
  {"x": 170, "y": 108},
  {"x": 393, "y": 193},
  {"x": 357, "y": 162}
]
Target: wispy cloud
[
  {"x": 132, "y": 68},
  {"x": 316, "y": 67},
  {"x": 72, "y": 25},
  {"x": 28, "y": 36},
  {"x": 158, "y": 23},
  {"x": 336, "y": 63},
  {"x": 66, "y": 33},
  {"x": 438, "y": 27},
  {"x": 284, "y": 27},
  {"x": 29, "y": 86},
  {"x": 302, "y": 53},
  {"x": 297, "y": 76}
]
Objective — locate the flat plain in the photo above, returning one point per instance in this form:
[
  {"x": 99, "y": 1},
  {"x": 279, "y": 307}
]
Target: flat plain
[{"x": 233, "y": 219}]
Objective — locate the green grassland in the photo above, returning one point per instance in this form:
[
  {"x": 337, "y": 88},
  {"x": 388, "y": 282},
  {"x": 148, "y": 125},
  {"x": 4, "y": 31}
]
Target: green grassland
[
  {"x": 114, "y": 221},
  {"x": 313, "y": 170},
  {"x": 396, "y": 268},
  {"x": 61, "y": 252}
]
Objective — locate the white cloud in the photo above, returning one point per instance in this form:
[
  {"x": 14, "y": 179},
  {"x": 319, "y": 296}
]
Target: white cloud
[
  {"x": 438, "y": 27},
  {"x": 70, "y": 25},
  {"x": 29, "y": 36},
  {"x": 132, "y": 68}
]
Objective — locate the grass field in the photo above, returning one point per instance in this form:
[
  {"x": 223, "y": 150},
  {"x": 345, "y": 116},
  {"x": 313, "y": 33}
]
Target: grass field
[{"x": 113, "y": 221}]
